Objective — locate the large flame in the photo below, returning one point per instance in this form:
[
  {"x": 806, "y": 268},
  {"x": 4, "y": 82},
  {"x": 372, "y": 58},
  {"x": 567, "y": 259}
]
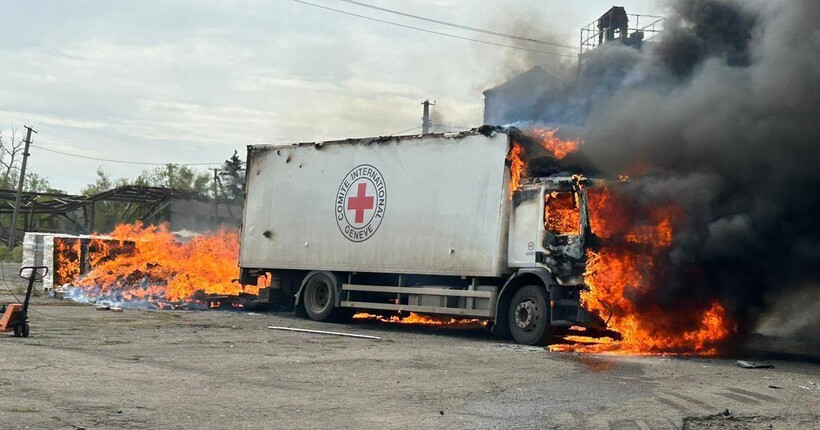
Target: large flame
[
  {"x": 627, "y": 267},
  {"x": 557, "y": 146},
  {"x": 159, "y": 269},
  {"x": 561, "y": 213},
  {"x": 517, "y": 166},
  {"x": 67, "y": 259}
]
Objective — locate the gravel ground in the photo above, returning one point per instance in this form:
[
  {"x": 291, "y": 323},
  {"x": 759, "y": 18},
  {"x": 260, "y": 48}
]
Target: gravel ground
[{"x": 83, "y": 368}]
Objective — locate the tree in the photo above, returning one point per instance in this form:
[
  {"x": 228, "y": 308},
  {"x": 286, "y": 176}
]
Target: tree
[
  {"x": 38, "y": 184},
  {"x": 232, "y": 177},
  {"x": 175, "y": 176},
  {"x": 103, "y": 183},
  {"x": 11, "y": 156},
  {"x": 10, "y": 149}
]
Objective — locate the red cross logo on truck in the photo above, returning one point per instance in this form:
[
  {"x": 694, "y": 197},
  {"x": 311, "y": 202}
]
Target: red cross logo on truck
[{"x": 361, "y": 201}]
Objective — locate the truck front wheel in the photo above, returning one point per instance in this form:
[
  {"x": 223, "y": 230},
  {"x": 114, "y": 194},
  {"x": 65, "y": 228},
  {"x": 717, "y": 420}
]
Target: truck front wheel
[
  {"x": 319, "y": 297},
  {"x": 529, "y": 316}
]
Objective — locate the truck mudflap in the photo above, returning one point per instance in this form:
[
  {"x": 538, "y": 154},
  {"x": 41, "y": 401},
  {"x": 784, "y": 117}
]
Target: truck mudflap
[{"x": 566, "y": 309}]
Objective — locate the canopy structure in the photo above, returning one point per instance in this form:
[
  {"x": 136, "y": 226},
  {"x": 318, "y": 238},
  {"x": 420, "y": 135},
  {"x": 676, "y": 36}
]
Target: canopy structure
[{"x": 66, "y": 213}]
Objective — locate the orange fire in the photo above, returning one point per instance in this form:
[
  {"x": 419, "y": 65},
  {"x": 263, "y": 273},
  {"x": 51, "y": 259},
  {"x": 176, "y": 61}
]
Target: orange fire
[
  {"x": 625, "y": 267},
  {"x": 414, "y": 318},
  {"x": 67, "y": 259},
  {"x": 516, "y": 167},
  {"x": 160, "y": 269},
  {"x": 557, "y": 146},
  {"x": 561, "y": 213}
]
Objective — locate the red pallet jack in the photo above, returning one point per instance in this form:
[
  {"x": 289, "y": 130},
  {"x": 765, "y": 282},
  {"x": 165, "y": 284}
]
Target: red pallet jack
[{"x": 15, "y": 315}]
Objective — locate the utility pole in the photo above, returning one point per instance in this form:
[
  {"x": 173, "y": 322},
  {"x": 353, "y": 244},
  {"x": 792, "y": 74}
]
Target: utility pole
[
  {"x": 216, "y": 182},
  {"x": 20, "y": 183},
  {"x": 425, "y": 119}
]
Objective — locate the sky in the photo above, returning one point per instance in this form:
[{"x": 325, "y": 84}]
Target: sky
[{"x": 190, "y": 81}]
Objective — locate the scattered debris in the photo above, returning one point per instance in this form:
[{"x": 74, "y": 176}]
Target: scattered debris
[
  {"x": 116, "y": 309},
  {"x": 332, "y": 333},
  {"x": 103, "y": 308},
  {"x": 728, "y": 420},
  {"x": 754, "y": 365},
  {"x": 775, "y": 387},
  {"x": 811, "y": 386},
  {"x": 517, "y": 347}
]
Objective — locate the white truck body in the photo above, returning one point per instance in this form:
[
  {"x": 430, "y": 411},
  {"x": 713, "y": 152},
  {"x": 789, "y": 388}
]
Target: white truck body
[{"x": 435, "y": 205}]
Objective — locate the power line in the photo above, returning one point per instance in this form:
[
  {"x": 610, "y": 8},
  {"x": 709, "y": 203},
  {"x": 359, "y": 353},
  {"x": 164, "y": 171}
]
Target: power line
[
  {"x": 464, "y": 27},
  {"x": 144, "y": 163},
  {"x": 435, "y": 32},
  {"x": 404, "y": 131}
]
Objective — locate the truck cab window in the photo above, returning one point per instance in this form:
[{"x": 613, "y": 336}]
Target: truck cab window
[{"x": 561, "y": 213}]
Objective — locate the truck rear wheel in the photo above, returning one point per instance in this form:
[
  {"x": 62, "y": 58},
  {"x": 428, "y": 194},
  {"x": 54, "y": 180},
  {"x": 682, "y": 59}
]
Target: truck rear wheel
[
  {"x": 529, "y": 316},
  {"x": 319, "y": 297}
]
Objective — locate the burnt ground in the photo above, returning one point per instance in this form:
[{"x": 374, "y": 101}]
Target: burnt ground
[{"x": 83, "y": 368}]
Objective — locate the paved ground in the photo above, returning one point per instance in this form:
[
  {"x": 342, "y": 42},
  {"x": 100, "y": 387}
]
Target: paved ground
[{"x": 83, "y": 368}]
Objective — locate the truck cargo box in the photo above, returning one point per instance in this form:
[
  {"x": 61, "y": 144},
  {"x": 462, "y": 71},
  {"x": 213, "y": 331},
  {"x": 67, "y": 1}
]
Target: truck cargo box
[{"x": 432, "y": 204}]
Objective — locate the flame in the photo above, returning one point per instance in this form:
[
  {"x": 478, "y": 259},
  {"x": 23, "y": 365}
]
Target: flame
[
  {"x": 561, "y": 213},
  {"x": 414, "y": 318},
  {"x": 152, "y": 265},
  {"x": 516, "y": 167},
  {"x": 66, "y": 259},
  {"x": 629, "y": 267},
  {"x": 557, "y": 146}
]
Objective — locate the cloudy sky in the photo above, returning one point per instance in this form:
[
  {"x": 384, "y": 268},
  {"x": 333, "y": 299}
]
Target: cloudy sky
[{"x": 190, "y": 81}]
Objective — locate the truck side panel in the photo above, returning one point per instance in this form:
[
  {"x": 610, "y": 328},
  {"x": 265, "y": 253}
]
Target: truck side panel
[{"x": 423, "y": 205}]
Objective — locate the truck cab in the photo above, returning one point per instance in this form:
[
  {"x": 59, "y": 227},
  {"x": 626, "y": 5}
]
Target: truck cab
[{"x": 549, "y": 227}]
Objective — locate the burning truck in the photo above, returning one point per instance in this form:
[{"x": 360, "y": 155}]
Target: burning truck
[
  {"x": 437, "y": 224},
  {"x": 495, "y": 226}
]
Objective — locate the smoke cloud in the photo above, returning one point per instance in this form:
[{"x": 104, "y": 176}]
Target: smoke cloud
[{"x": 720, "y": 118}]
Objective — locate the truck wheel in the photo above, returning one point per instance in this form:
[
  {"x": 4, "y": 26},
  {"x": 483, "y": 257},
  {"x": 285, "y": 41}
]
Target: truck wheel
[
  {"x": 319, "y": 297},
  {"x": 529, "y": 316}
]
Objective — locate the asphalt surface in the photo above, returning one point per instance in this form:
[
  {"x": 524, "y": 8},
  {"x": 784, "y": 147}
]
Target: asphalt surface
[{"x": 84, "y": 368}]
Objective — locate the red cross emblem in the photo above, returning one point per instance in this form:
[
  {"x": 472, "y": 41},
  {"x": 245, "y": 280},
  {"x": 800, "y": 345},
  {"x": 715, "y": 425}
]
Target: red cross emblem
[{"x": 360, "y": 202}]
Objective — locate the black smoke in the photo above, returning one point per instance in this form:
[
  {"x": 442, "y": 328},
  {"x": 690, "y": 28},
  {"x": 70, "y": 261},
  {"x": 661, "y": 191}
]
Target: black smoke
[{"x": 721, "y": 118}]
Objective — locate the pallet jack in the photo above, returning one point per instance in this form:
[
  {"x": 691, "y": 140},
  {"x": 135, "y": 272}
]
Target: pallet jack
[{"x": 15, "y": 315}]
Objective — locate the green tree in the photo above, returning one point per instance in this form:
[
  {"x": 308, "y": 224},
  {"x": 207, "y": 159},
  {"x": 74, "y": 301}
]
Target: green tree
[
  {"x": 232, "y": 177},
  {"x": 106, "y": 214},
  {"x": 175, "y": 176},
  {"x": 38, "y": 184},
  {"x": 102, "y": 183}
]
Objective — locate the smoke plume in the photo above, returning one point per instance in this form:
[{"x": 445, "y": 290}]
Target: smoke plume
[{"x": 720, "y": 118}]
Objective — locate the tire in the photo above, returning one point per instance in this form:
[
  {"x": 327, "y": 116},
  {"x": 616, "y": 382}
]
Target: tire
[
  {"x": 18, "y": 330},
  {"x": 529, "y": 316},
  {"x": 319, "y": 297},
  {"x": 25, "y": 330}
]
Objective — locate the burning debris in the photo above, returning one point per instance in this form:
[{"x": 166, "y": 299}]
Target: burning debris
[
  {"x": 416, "y": 319},
  {"x": 147, "y": 266}
]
